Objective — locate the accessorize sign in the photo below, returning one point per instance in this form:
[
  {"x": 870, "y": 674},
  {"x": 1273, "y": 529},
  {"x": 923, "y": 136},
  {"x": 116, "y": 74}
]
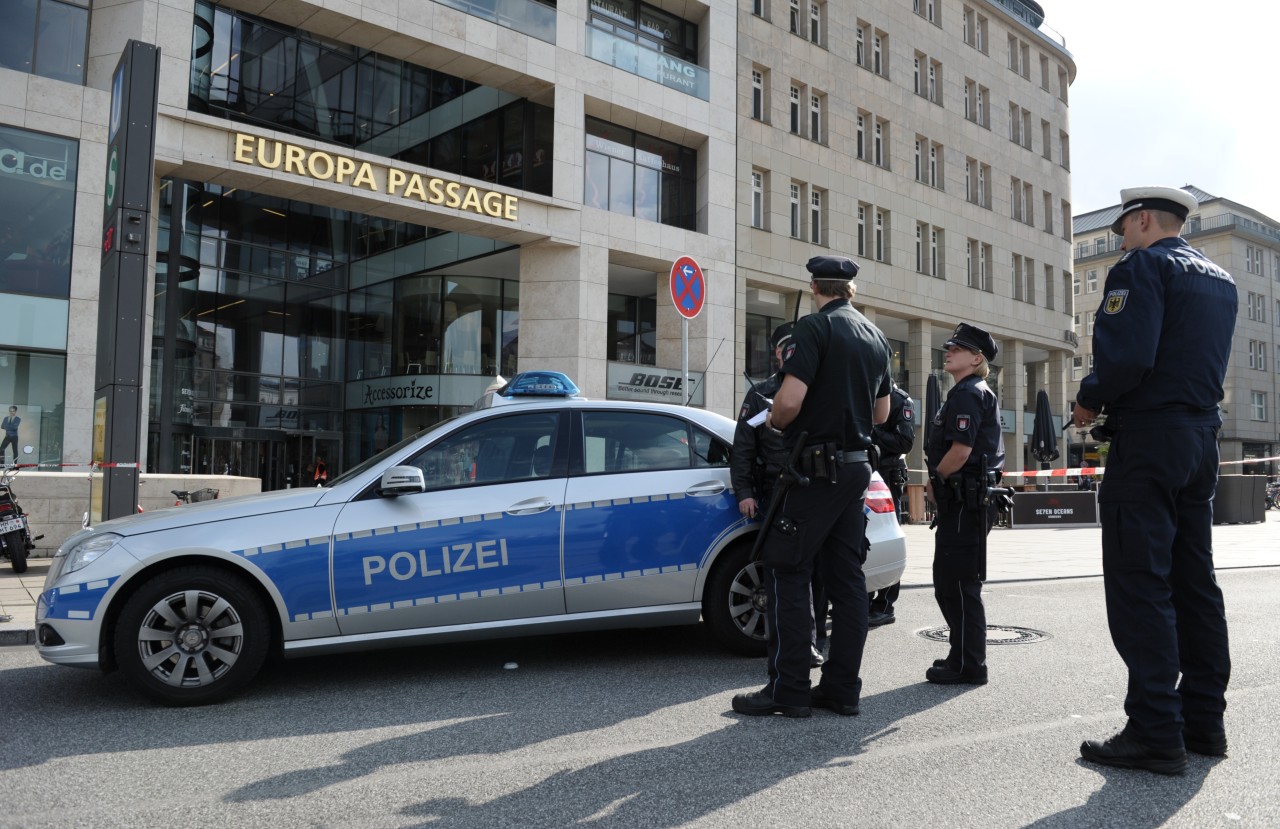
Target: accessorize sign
[{"x": 271, "y": 154}]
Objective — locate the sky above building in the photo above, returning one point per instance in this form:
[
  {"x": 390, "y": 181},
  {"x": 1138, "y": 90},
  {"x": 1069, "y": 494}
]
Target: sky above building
[{"x": 1172, "y": 93}]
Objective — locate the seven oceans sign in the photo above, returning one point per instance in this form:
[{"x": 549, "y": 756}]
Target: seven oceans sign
[{"x": 688, "y": 287}]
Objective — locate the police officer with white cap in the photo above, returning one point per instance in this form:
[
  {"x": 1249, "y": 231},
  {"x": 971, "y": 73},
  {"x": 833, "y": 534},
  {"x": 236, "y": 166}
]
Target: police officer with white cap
[
  {"x": 965, "y": 446},
  {"x": 1161, "y": 342},
  {"x": 835, "y": 387}
]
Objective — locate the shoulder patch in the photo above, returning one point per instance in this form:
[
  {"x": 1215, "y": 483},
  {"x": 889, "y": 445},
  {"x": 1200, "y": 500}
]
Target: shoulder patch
[
  {"x": 1114, "y": 301},
  {"x": 962, "y": 423},
  {"x": 1126, "y": 255},
  {"x": 744, "y": 411},
  {"x": 788, "y": 350},
  {"x": 908, "y": 413}
]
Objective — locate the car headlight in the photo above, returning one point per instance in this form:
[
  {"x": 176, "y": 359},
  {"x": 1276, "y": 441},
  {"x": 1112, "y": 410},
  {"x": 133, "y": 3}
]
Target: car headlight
[{"x": 88, "y": 551}]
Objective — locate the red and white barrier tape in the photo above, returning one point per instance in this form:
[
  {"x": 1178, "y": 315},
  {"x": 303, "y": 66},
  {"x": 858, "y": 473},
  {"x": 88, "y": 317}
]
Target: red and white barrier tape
[{"x": 112, "y": 465}]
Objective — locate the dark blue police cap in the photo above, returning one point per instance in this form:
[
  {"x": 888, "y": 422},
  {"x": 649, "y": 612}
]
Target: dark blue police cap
[
  {"x": 975, "y": 339},
  {"x": 781, "y": 334},
  {"x": 832, "y": 267}
]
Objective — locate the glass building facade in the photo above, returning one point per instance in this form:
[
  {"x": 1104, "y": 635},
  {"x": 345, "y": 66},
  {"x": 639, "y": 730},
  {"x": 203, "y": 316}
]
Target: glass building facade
[
  {"x": 272, "y": 317},
  {"x": 38, "y": 175},
  {"x": 49, "y": 38},
  {"x": 258, "y": 72}
]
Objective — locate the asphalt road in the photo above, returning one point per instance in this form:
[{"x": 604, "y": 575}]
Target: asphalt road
[{"x": 635, "y": 730}]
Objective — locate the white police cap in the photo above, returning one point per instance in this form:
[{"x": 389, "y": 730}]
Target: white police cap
[{"x": 1169, "y": 199}]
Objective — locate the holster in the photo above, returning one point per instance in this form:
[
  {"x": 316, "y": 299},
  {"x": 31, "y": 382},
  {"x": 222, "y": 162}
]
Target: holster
[{"x": 820, "y": 462}]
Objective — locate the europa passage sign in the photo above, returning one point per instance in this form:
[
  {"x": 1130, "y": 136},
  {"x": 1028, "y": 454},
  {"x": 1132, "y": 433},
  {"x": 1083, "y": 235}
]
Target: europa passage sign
[{"x": 271, "y": 154}]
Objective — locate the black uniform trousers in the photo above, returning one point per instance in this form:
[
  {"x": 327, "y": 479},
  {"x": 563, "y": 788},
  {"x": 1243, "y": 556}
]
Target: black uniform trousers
[
  {"x": 1164, "y": 606},
  {"x": 956, "y": 585},
  {"x": 829, "y": 529},
  {"x": 818, "y": 593}
]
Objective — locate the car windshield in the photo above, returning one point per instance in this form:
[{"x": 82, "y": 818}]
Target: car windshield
[{"x": 377, "y": 459}]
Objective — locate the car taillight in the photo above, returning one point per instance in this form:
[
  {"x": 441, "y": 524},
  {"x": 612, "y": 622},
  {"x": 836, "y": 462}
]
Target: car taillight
[{"x": 879, "y": 498}]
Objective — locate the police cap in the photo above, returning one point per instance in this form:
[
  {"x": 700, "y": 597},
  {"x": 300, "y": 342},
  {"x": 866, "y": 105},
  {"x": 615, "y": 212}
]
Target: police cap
[
  {"x": 781, "y": 334},
  {"x": 975, "y": 339},
  {"x": 1169, "y": 199},
  {"x": 832, "y": 267}
]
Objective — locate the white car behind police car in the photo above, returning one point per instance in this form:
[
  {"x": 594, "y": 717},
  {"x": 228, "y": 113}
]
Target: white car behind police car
[{"x": 538, "y": 512}]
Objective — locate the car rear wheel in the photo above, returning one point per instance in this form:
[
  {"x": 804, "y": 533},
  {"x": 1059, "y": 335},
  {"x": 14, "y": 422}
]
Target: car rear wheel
[
  {"x": 192, "y": 635},
  {"x": 15, "y": 546},
  {"x": 733, "y": 603}
]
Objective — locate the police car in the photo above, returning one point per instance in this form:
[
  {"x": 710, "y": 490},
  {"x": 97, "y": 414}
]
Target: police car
[{"x": 539, "y": 511}]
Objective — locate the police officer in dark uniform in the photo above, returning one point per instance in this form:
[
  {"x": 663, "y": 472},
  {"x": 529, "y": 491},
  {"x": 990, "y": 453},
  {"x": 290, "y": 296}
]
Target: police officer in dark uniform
[
  {"x": 758, "y": 456},
  {"x": 835, "y": 387},
  {"x": 894, "y": 439},
  {"x": 1161, "y": 341},
  {"x": 965, "y": 446}
]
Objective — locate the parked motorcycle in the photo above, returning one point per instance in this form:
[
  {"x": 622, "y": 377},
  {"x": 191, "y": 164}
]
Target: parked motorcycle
[{"x": 15, "y": 531}]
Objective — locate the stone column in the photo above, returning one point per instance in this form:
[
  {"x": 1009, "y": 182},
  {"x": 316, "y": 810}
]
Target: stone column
[
  {"x": 1013, "y": 397},
  {"x": 919, "y": 359},
  {"x": 564, "y": 301}
]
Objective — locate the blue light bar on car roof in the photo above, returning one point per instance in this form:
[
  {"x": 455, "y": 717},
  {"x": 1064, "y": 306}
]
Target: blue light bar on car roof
[{"x": 539, "y": 384}]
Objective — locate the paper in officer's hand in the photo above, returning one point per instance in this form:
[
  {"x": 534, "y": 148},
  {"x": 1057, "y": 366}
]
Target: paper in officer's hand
[{"x": 758, "y": 419}]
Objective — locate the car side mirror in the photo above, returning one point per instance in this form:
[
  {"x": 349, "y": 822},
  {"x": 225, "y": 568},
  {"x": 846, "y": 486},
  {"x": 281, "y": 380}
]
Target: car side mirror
[{"x": 402, "y": 480}]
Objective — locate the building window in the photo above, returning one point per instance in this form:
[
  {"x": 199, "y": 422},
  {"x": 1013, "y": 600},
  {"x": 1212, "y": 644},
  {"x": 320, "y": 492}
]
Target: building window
[
  {"x": 795, "y": 110},
  {"x": 1064, "y": 150},
  {"x": 815, "y": 22},
  {"x": 638, "y": 175},
  {"x": 984, "y": 190},
  {"x": 1089, "y": 318},
  {"x": 1048, "y": 211},
  {"x": 879, "y": 54},
  {"x": 1015, "y": 199},
  {"x": 46, "y": 38},
  {"x": 757, "y": 95},
  {"x": 757, "y": 8},
  {"x": 757, "y": 199},
  {"x": 1077, "y": 367},
  {"x": 759, "y": 356},
  {"x": 1091, "y": 280},
  {"x": 817, "y": 226},
  {"x": 815, "y": 117},
  {"x": 1048, "y": 287},
  {"x": 1018, "y": 275},
  {"x": 1258, "y": 411},
  {"x": 632, "y": 330},
  {"x": 1066, "y": 219},
  {"x": 862, "y": 229},
  {"x": 1046, "y": 138},
  {"x": 1015, "y": 123},
  {"x": 935, "y": 82},
  {"x": 860, "y": 47},
  {"x": 794, "y": 211},
  {"x": 861, "y": 143},
  {"x": 878, "y": 155},
  {"x": 985, "y": 258},
  {"x": 795, "y": 17},
  {"x": 935, "y": 252},
  {"x": 1075, "y": 284},
  {"x": 882, "y": 231},
  {"x": 970, "y": 263},
  {"x": 37, "y": 213}
]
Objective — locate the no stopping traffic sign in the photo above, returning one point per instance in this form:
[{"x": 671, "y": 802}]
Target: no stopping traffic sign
[{"x": 688, "y": 287}]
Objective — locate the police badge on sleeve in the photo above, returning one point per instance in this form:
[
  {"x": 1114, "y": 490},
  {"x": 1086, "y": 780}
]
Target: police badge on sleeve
[
  {"x": 1114, "y": 301},
  {"x": 962, "y": 423}
]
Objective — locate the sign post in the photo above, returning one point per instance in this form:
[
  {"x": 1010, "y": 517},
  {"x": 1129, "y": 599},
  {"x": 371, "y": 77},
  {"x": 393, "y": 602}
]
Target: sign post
[
  {"x": 688, "y": 288},
  {"x": 122, "y": 302}
]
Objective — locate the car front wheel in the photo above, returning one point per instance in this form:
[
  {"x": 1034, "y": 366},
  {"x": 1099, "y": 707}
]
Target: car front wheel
[
  {"x": 192, "y": 635},
  {"x": 733, "y": 603}
]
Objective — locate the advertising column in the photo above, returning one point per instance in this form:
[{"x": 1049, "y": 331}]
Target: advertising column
[{"x": 122, "y": 298}]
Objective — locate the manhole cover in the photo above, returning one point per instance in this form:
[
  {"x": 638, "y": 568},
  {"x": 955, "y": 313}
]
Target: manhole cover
[{"x": 996, "y": 635}]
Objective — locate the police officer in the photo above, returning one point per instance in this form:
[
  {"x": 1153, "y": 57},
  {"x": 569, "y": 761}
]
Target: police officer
[
  {"x": 758, "y": 456},
  {"x": 964, "y": 446},
  {"x": 1161, "y": 341},
  {"x": 893, "y": 438},
  {"x": 835, "y": 387}
]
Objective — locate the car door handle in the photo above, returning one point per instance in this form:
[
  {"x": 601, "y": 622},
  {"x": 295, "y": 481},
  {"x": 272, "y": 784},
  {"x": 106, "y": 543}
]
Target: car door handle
[
  {"x": 531, "y": 506},
  {"x": 710, "y": 488}
]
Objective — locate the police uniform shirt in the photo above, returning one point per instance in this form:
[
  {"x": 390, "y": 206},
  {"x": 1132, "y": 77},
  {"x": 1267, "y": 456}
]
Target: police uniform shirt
[
  {"x": 844, "y": 361},
  {"x": 897, "y": 434},
  {"x": 970, "y": 416},
  {"x": 1162, "y": 337},
  {"x": 755, "y": 443}
]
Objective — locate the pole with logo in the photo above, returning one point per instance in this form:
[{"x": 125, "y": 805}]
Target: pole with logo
[
  {"x": 688, "y": 288},
  {"x": 122, "y": 293}
]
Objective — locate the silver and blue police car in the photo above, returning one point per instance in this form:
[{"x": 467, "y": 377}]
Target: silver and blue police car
[{"x": 540, "y": 511}]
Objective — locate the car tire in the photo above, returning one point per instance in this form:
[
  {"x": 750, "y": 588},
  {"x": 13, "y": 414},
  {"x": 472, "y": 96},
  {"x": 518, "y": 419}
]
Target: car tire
[
  {"x": 733, "y": 604},
  {"x": 178, "y": 654},
  {"x": 15, "y": 544}
]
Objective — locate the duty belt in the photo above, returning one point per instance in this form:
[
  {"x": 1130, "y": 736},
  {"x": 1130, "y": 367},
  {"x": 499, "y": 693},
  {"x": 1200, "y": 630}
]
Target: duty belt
[{"x": 859, "y": 456}]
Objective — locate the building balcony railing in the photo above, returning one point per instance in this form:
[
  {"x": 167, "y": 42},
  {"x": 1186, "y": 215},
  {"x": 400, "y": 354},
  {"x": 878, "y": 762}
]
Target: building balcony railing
[
  {"x": 670, "y": 71},
  {"x": 1033, "y": 16},
  {"x": 1230, "y": 221},
  {"x": 529, "y": 16}
]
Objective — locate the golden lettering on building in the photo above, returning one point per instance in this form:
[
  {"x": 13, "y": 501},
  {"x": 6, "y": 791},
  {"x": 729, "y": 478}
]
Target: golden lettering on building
[{"x": 271, "y": 154}]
